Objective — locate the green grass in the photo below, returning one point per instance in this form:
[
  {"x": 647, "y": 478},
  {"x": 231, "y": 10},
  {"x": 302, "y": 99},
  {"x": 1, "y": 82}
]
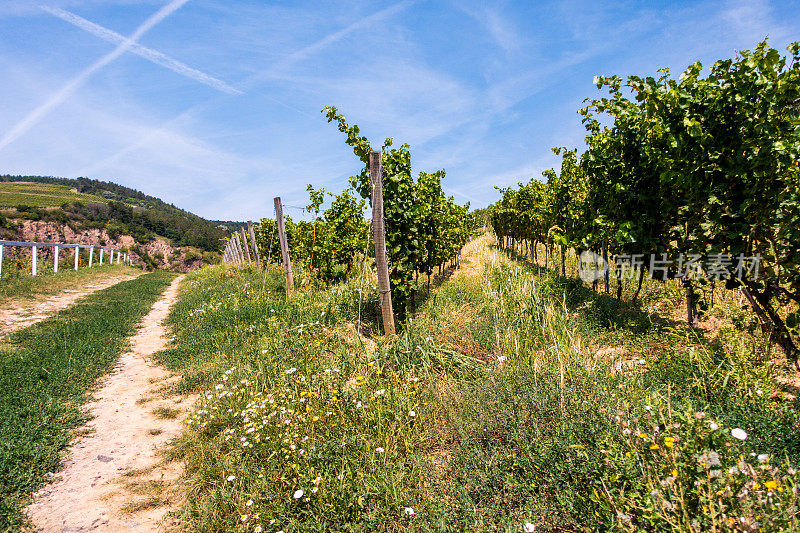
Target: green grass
[
  {"x": 46, "y": 369},
  {"x": 14, "y": 285},
  {"x": 166, "y": 412},
  {"x": 541, "y": 439},
  {"x": 516, "y": 418},
  {"x": 13, "y": 194}
]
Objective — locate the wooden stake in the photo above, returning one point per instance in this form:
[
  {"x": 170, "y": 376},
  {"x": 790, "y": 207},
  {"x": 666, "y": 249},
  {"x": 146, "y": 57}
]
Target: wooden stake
[
  {"x": 242, "y": 258},
  {"x": 245, "y": 246},
  {"x": 287, "y": 261},
  {"x": 236, "y": 248},
  {"x": 254, "y": 243},
  {"x": 605, "y": 260},
  {"x": 375, "y": 172}
]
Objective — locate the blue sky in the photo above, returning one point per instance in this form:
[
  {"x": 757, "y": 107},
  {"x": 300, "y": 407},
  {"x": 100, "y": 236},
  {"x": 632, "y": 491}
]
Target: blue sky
[{"x": 214, "y": 105}]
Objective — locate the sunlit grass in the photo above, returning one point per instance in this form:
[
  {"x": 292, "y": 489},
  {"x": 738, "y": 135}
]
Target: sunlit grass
[{"x": 494, "y": 408}]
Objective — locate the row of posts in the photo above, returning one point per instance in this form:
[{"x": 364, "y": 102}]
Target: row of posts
[
  {"x": 34, "y": 246},
  {"x": 238, "y": 248}
]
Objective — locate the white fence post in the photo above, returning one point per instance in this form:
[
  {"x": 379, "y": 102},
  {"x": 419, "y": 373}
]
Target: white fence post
[
  {"x": 1, "y": 260},
  {"x": 101, "y": 257},
  {"x": 33, "y": 260},
  {"x": 55, "y": 259},
  {"x": 91, "y": 255},
  {"x": 77, "y": 254}
]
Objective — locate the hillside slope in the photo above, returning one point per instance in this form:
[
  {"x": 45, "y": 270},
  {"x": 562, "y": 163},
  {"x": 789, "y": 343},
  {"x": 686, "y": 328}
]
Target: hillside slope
[{"x": 37, "y": 208}]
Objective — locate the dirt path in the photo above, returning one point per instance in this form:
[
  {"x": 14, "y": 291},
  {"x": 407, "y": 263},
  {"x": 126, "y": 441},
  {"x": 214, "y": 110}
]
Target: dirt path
[
  {"x": 115, "y": 479},
  {"x": 18, "y": 314}
]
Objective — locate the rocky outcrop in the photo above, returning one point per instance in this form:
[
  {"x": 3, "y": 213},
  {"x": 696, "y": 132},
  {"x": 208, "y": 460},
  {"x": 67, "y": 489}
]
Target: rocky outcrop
[{"x": 159, "y": 252}]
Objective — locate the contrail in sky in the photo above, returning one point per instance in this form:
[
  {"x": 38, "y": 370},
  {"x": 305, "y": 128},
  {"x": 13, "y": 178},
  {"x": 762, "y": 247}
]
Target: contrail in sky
[
  {"x": 289, "y": 60},
  {"x": 58, "y": 98},
  {"x": 328, "y": 40},
  {"x": 151, "y": 55}
]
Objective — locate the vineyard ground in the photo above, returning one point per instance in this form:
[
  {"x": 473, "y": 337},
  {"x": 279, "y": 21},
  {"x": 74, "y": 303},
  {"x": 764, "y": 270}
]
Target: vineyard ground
[
  {"x": 44, "y": 296},
  {"x": 13, "y": 194},
  {"x": 503, "y": 402}
]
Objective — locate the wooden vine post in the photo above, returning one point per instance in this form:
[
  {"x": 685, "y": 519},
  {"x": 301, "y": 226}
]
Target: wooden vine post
[
  {"x": 254, "y": 243},
  {"x": 245, "y": 245},
  {"x": 237, "y": 248},
  {"x": 375, "y": 174},
  {"x": 287, "y": 261},
  {"x": 241, "y": 246}
]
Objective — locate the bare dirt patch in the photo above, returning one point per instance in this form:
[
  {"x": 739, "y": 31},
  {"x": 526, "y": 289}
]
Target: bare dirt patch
[
  {"x": 115, "y": 478},
  {"x": 21, "y": 313}
]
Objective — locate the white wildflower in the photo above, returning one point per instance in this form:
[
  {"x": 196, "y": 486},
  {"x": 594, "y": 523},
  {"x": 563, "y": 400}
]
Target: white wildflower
[{"x": 739, "y": 433}]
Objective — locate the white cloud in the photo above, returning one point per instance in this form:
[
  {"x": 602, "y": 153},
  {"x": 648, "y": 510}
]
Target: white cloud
[
  {"x": 65, "y": 92},
  {"x": 281, "y": 68},
  {"x": 752, "y": 20},
  {"x": 497, "y": 25}
]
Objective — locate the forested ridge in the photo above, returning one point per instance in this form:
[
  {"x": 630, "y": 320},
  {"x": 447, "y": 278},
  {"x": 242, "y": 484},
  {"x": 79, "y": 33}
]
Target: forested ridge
[{"x": 127, "y": 211}]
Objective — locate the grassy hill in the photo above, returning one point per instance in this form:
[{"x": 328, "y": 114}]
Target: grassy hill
[
  {"x": 32, "y": 194},
  {"x": 85, "y": 203}
]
